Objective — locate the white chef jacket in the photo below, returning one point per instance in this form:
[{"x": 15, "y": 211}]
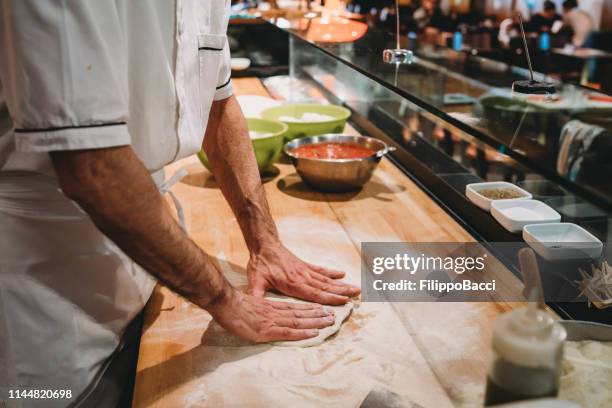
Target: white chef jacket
[{"x": 86, "y": 74}]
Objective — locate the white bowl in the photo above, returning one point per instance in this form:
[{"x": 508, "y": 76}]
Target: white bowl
[
  {"x": 472, "y": 192},
  {"x": 240, "y": 64},
  {"x": 562, "y": 241},
  {"x": 513, "y": 215}
]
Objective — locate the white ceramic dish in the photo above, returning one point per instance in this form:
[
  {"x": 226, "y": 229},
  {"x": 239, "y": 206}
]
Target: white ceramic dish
[
  {"x": 513, "y": 215},
  {"x": 562, "y": 241},
  {"x": 240, "y": 64},
  {"x": 472, "y": 192}
]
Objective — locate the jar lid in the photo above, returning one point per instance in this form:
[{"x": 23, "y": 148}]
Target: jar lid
[{"x": 528, "y": 337}]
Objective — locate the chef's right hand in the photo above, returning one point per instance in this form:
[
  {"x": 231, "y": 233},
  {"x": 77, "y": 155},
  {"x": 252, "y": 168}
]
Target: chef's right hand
[{"x": 263, "y": 320}]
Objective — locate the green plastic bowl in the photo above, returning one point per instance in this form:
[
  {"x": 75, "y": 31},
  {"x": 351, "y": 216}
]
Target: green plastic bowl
[
  {"x": 267, "y": 149},
  {"x": 303, "y": 129}
]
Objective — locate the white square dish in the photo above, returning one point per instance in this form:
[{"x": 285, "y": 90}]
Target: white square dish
[
  {"x": 513, "y": 215},
  {"x": 472, "y": 192},
  {"x": 562, "y": 241}
]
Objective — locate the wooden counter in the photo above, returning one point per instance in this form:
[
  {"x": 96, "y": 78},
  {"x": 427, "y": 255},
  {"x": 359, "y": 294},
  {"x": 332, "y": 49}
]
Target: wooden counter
[{"x": 434, "y": 354}]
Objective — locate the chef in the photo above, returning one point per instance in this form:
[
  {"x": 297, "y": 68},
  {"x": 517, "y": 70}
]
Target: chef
[{"x": 102, "y": 96}]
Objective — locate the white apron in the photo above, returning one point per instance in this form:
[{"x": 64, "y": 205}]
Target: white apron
[{"x": 66, "y": 291}]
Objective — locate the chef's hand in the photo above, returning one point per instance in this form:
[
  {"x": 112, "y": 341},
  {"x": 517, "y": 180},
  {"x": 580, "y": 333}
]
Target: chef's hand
[
  {"x": 262, "y": 320},
  {"x": 275, "y": 267}
]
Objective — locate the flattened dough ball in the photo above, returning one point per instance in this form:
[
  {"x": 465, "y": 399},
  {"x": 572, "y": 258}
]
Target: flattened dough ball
[{"x": 342, "y": 313}]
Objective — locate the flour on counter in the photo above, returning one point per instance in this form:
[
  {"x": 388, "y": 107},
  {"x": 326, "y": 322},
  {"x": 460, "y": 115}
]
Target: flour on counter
[{"x": 586, "y": 376}]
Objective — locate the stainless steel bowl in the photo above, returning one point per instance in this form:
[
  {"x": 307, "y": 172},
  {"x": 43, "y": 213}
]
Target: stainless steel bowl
[
  {"x": 337, "y": 175},
  {"x": 578, "y": 330}
]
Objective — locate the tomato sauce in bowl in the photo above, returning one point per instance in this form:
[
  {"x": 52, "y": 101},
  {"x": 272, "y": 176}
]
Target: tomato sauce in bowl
[{"x": 331, "y": 151}]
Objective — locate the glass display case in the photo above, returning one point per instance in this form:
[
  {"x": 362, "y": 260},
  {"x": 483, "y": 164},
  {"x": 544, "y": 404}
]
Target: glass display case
[{"x": 454, "y": 120}]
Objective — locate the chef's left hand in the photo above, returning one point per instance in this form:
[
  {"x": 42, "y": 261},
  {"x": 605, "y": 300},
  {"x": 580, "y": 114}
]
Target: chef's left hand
[{"x": 275, "y": 267}]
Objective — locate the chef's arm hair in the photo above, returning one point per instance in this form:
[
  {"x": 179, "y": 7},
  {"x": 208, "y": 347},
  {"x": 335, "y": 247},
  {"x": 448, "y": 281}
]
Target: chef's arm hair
[
  {"x": 230, "y": 153},
  {"x": 114, "y": 188}
]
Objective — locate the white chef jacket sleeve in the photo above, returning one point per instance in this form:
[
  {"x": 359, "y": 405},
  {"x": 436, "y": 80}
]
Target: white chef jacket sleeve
[
  {"x": 224, "y": 80},
  {"x": 64, "y": 69}
]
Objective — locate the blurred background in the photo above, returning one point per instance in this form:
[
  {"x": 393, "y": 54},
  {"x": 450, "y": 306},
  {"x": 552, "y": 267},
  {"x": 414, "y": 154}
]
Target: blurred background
[{"x": 569, "y": 39}]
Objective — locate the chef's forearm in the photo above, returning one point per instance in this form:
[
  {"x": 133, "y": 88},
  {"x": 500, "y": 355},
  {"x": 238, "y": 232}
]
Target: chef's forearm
[
  {"x": 230, "y": 152},
  {"x": 117, "y": 192}
]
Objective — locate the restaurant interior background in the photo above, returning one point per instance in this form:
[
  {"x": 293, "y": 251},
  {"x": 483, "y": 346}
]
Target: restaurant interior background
[{"x": 479, "y": 22}]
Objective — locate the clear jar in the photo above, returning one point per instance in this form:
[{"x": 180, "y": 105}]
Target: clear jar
[{"x": 527, "y": 356}]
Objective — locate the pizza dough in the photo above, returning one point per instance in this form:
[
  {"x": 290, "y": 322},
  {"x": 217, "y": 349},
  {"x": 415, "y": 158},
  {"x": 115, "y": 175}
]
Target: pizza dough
[
  {"x": 218, "y": 336},
  {"x": 342, "y": 313}
]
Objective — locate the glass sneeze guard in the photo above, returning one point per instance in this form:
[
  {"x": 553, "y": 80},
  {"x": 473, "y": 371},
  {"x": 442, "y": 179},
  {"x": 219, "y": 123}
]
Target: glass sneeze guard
[{"x": 471, "y": 96}]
